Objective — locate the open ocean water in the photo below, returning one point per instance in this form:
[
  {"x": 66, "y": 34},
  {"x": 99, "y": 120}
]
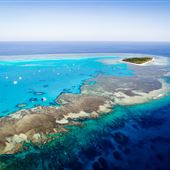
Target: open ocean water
[
  {"x": 129, "y": 138},
  {"x": 21, "y": 48}
]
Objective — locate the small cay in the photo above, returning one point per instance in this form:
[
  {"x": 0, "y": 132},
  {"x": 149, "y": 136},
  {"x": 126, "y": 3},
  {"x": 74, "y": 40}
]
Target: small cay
[{"x": 138, "y": 60}]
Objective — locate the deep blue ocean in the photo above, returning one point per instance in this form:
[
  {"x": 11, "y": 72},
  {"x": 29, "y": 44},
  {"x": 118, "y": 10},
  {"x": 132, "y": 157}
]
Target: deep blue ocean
[
  {"x": 130, "y": 138},
  {"x": 21, "y": 48}
]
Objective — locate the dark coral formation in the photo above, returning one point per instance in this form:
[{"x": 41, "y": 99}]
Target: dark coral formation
[{"x": 120, "y": 138}]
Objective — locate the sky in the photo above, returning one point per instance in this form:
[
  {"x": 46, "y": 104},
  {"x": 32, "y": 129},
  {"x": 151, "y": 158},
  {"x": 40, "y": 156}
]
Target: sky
[{"x": 84, "y": 20}]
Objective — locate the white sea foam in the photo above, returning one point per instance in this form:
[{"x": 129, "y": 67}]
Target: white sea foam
[{"x": 15, "y": 82}]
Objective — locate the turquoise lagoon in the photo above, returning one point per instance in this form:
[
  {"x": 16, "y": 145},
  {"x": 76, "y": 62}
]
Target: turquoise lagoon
[{"x": 47, "y": 79}]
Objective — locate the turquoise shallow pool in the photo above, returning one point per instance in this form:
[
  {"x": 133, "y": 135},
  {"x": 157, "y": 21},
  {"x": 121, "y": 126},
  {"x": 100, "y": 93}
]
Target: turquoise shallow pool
[{"x": 29, "y": 82}]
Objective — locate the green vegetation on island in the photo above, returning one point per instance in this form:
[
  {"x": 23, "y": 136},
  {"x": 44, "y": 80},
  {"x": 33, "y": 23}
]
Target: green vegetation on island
[{"x": 137, "y": 60}]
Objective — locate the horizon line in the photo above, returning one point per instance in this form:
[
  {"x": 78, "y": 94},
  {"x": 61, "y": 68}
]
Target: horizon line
[{"x": 82, "y": 41}]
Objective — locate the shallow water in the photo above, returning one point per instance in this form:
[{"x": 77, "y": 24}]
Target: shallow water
[{"x": 48, "y": 79}]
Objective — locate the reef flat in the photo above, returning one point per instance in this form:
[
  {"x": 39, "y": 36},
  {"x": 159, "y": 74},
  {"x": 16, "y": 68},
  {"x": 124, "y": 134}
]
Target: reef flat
[{"x": 37, "y": 125}]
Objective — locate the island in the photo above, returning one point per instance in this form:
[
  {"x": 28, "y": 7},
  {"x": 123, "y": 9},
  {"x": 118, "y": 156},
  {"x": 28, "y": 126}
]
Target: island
[{"x": 138, "y": 60}]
